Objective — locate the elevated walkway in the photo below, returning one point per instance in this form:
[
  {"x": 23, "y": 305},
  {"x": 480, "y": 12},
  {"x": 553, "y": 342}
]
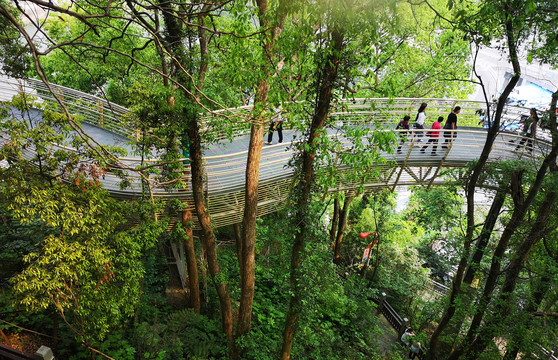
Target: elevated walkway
[{"x": 225, "y": 160}]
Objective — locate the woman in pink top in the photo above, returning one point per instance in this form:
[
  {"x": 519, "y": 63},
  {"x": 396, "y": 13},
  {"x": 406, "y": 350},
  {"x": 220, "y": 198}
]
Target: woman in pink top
[{"x": 434, "y": 134}]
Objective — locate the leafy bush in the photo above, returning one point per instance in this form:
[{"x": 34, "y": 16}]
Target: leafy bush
[{"x": 185, "y": 335}]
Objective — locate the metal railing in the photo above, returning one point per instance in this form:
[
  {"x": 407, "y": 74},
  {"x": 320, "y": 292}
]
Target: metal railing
[
  {"x": 93, "y": 109},
  {"x": 399, "y": 323},
  {"x": 548, "y": 354},
  {"x": 436, "y": 287}
]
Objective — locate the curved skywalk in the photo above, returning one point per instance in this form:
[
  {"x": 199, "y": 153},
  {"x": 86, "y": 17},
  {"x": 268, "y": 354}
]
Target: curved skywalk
[{"x": 225, "y": 161}]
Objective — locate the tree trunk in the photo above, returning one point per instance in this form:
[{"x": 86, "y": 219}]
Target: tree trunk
[
  {"x": 495, "y": 270},
  {"x": 175, "y": 45},
  {"x": 247, "y": 263},
  {"x": 191, "y": 262},
  {"x": 207, "y": 234},
  {"x": 303, "y": 190},
  {"x": 436, "y": 351},
  {"x": 503, "y": 306},
  {"x": 484, "y": 236},
  {"x": 342, "y": 224},
  {"x": 237, "y": 228},
  {"x": 514, "y": 346},
  {"x": 334, "y": 221},
  {"x": 522, "y": 204},
  {"x": 469, "y": 292}
]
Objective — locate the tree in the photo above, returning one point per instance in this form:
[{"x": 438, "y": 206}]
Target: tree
[
  {"x": 14, "y": 57},
  {"x": 341, "y": 21},
  {"x": 513, "y": 25},
  {"x": 415, "y": 55},
  {"x": 271, "y": 23},
  {"x": 87, "y": 266},
  {"x": 507, "y": 24}
]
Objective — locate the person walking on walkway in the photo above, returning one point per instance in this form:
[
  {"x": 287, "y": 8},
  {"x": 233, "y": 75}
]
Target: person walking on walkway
[
  {"x": 276, "y": 124},
  {"x": 530, "y": 129},
  {"x": 415, "y": 348},
  {"x": 407, "y": 337},
  {"x": 420, "y": 120},
  {"x": 451, "y": 124},
  {"x": 404, "y": 125},
  {"x": 434, "y": 135}
]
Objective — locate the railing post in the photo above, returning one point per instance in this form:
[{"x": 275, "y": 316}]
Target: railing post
[
  {"x": 403, "y": 326},
  {"x": 551, "y": 355},
  {"x": 44, "y": 353},
  {"x": 382, "y": 302},
  {"x": 100, "y": 111}
]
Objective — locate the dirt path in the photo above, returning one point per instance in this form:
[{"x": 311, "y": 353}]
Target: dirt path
[{"x": 389, "y": 343}]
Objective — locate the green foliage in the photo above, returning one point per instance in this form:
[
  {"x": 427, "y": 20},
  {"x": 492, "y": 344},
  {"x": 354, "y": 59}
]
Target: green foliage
[
  {"x": 91, "y": 277},
  {"x": 98, "y": 63},
  {"x": 437, "y": 209},
  {"x": 17, "y": 239},
  {"x": 336, "y": 310},
  {"x": 184, "y": 335},
  {"x": 15, "y": 58},
  {"x": 85, "y": 265},
  {"x": 409, "y": 59},
  {"x": 74, "y": 237}
]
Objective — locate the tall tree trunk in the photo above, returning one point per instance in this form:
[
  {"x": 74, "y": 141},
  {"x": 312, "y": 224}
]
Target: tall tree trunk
[
  {"x": 436, "y": 351},
  {"x": 342, "y": 224},
  {"x": 334, "y": 221},
  {"x": 514, "y": 346},
  {"x": 207, "y": 234},
  {"x": 484, "y": 236},
  {"x": 191, "y": 262},
  {"x": 247, "y": 262},
  {"x": 237, "y": 229},
  {"x": 494, "y": 273},
  {"x": 303, "y": 190},
  {"x": 522, "y": 204},
  {"x": 468, "y": 291},
  {"x": 174, "y": 44},
  {"x": 503, "y": 306}
]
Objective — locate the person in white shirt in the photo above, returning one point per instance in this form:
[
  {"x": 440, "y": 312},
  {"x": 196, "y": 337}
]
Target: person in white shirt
[
  {"x": 407, "y": 336},
  {"x": 420, "y": 120}
]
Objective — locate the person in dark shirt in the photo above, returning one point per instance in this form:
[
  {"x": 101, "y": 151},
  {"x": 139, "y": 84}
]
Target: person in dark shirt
[
  {"x": 404, "y": 125},
  {"x": 451, "y": 124},
  {"x": 530, "y": 130},
  {"x": 276, "y": 124}
]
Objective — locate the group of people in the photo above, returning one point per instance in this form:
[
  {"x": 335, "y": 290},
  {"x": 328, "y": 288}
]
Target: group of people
[
  {"x": 529, "y": 129},
  {"x": 408, "y": 339},
  {"x": 434, "y": 133}
]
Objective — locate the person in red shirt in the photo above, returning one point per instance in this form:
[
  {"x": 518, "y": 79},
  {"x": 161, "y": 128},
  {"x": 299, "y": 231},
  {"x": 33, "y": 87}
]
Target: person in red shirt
[{"x": 434, "y": 134}]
